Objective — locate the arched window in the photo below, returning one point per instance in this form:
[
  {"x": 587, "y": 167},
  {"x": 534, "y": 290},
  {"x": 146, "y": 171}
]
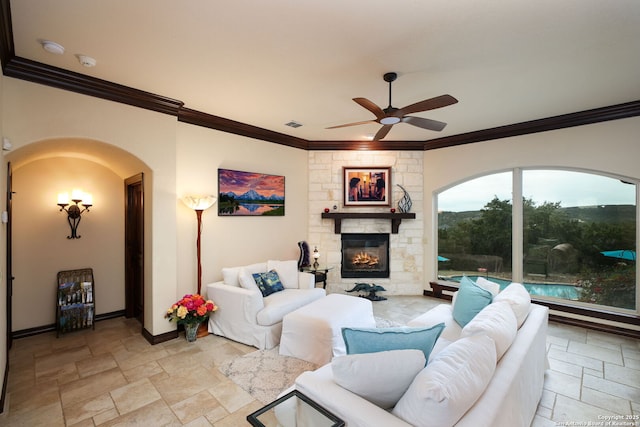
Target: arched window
[{"x": 569, "y": 235}]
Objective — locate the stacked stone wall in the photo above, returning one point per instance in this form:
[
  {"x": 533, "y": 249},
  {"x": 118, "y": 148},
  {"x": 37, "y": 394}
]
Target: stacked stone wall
[{"x": 406, "y": 248}]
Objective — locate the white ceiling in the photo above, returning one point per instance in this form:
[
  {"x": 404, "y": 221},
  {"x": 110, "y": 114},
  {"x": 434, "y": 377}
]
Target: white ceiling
[{"x": 266, "y": 63}]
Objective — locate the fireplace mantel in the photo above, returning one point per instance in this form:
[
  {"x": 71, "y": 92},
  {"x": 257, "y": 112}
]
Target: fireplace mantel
[{"x": 396, "y": 218}]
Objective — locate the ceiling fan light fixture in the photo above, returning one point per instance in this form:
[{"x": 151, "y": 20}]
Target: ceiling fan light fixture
[{"x": 390, "y": 120}]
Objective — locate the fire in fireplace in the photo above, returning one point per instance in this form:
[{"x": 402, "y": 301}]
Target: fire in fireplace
[{"x": 365, "y": 255}]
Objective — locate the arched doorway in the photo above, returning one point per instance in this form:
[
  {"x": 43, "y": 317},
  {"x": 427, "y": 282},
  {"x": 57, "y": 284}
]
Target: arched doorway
[{"x": 40, "y": 232}]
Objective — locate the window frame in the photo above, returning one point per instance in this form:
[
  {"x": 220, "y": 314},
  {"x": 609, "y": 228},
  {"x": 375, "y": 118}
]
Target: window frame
[{"x": 577, "y": 309}]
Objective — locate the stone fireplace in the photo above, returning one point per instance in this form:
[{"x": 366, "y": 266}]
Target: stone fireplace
[
  {"x": 365, "y": 255},
  {"x": 406, "y": 242}
]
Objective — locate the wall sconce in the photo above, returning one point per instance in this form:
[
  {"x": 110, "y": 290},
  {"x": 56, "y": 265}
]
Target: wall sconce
[
  {"x": 74, "y": 212},
  {"x": 199, "y": 203}
]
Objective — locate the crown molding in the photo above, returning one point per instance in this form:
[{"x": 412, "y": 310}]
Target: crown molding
[
  {"x": 367, "y": 145},
  {"x": 38, "y": 72},
  {"x": 581, "y": 118},
  {"x": 198, "y": 118}
]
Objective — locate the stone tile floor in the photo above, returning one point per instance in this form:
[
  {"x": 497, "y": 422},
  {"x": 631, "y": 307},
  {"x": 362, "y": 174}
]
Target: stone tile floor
[{"x": 113, "y": 377}]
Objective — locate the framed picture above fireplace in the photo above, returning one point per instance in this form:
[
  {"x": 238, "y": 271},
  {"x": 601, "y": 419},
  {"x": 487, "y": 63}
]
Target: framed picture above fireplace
[{"x": 366, "y": 186}]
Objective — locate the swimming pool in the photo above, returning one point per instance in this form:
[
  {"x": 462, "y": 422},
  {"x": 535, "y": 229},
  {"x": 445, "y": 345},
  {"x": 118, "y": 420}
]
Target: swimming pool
[{"x": 556, "y": 290}]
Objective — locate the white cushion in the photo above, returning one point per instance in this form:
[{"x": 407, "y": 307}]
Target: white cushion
[
  {"x": 519, "y": 299},
  {"x": 490, "y": 286},
  {"x": 231, "y": 275},
  {"x": 287, "y": 271},
  {"x": 279, "y": 304},
  {"x": 450, "y": 384},
  {"x": 382, "y": 377},
  {"x": 442, "y": 313},
  {"x": 247, "y": 281},
  {"x": 498, "y": 322}
]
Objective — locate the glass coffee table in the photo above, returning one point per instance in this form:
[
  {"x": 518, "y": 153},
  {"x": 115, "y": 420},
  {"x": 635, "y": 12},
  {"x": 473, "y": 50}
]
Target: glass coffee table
[{"x": 294, "y": 409}]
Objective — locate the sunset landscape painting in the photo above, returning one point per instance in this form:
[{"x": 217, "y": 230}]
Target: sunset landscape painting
[{"x": 250, "y": 193}]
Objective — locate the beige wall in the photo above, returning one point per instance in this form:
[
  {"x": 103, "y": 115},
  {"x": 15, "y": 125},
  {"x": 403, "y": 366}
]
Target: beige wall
[
  {"x": 39, "y": 113},
  {"x": 41, "y": 247},
  {"x": 230, "y": 241},
  {"x": 176, "y": 159}
]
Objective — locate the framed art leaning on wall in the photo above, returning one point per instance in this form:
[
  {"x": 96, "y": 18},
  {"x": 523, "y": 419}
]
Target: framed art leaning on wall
[{"x": 366, "y": 186}]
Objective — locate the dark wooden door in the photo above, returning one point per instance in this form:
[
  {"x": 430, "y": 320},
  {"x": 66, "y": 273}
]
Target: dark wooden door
[{"x": 134, "y": 247}]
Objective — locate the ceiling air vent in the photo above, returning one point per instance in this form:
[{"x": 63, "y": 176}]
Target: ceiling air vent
[{"x": 293, "y": 124}]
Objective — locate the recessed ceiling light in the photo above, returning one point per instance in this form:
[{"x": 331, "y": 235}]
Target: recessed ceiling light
[
  {"x": 52, "y": 47},
  {"x": 293, "y": 124},
  {"x": 87, "y": 61}
]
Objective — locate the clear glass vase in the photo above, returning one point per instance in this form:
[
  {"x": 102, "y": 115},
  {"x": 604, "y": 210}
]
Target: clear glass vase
[{"x": 191, "y": 331}]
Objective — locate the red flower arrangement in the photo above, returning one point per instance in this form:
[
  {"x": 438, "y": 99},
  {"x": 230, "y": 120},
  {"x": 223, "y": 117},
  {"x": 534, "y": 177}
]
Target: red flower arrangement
[{"x": 191, "y": 309}]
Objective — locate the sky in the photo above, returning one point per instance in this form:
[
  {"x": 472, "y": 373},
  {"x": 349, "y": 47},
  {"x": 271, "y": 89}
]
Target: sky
[
  {"x": 567, "y": 187},
  {"x": 240, "y": 182}
]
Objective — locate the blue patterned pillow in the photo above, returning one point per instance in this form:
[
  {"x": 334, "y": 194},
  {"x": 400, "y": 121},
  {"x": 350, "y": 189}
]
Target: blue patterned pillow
[
  {"x": 268, "y": 282},
  {"x": 372, "y": 340}
]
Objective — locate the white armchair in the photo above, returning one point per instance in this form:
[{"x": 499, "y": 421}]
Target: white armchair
[{"x": 244, "y": 315}]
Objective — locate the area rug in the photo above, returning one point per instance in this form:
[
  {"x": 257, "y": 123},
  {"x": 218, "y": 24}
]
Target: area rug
[
  {"x": 386, "y": 323},
  {"x": 264, "y": 374}
]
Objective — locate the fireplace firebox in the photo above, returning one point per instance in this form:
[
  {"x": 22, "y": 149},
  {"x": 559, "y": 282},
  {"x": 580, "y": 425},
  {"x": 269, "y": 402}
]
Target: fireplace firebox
[{"x": 365, "y": 255}]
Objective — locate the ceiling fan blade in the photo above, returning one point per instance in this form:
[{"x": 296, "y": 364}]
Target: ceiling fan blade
[
  {"x": 377, "y": 111},
  {"x": 384, "y": 130},
  {"x": 427, "y": 104},
  {"x": 352, "y": 124},
  {"x": 424, "y": 123}
]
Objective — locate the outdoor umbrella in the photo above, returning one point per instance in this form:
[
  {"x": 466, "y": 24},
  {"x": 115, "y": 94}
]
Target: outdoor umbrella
[
  {"x": 441, "y": 258},
  {"x": 627, "y": 254}
]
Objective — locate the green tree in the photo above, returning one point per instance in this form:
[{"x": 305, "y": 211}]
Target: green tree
[{"x": 491, "y": 233}]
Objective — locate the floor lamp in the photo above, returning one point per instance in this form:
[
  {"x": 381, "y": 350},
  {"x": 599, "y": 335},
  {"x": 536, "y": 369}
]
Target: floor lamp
[{"x": 199, "y": 203}]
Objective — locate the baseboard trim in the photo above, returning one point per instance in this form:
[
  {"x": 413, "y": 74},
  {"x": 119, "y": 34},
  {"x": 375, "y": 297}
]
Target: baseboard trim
[
  {"x": 152, "y": 339},
  {"x": 157, "y": 339},
  {"x": 23, "y": 333}
]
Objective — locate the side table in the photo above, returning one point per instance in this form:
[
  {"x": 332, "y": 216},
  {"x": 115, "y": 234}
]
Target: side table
[
  {"x": 319, "y": 272},
  {"x": 294, "y": 408}
]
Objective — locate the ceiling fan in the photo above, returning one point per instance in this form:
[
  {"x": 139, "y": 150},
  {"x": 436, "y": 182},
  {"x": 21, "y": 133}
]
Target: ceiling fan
[{"x": 390, "y": 116}]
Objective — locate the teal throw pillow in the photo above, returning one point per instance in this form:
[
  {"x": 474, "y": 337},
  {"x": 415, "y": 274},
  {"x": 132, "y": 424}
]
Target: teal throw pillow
[
  {"x": 268, "y": 282},
  {"x": 470, "y": 300},
  {"x": 372, "y": 340}
]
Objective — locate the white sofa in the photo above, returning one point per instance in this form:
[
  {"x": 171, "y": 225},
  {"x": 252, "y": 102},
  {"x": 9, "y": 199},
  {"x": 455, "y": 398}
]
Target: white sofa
[
  {"x": 510, "y": 398},
  {"x": 244, "y": 315}
]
